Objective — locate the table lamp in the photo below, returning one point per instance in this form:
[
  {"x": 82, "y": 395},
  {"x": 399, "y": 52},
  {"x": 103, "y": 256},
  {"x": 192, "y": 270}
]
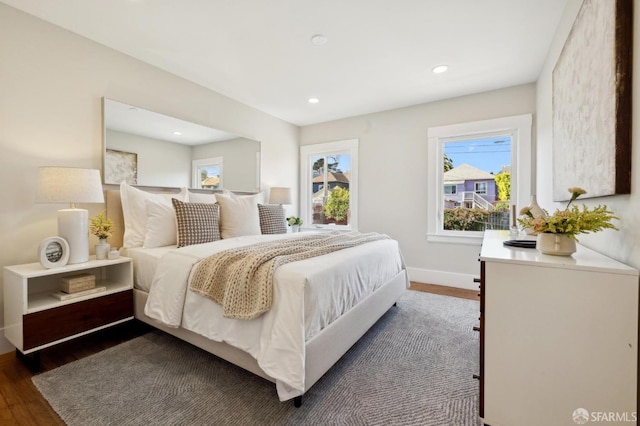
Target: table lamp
[
  {"x": 71, "y": 185},
  {"x": 280, "y": 195}
]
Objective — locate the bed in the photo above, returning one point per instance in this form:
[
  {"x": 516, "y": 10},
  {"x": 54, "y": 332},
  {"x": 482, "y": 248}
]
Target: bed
[{"x": 321, "y": 305}]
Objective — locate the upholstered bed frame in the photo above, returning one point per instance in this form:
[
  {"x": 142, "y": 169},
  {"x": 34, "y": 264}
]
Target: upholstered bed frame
[{"x": 321, "y": 352}]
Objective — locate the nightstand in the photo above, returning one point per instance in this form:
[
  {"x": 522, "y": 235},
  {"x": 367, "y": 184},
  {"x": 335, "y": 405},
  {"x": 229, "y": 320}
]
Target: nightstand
[{"x": 35, "y": 319}]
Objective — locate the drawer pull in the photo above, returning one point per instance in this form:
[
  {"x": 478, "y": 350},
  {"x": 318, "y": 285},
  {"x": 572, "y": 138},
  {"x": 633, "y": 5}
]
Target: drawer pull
[
  {"x": 476, "y": 376},
  {"x": 476, "y": 328},
  {"x": 476, "y": 280}
]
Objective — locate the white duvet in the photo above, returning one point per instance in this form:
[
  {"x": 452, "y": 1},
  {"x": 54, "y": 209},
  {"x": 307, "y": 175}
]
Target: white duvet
[{"x": 308, "y": 296}]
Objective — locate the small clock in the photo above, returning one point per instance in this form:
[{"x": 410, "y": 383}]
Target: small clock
[{"x": 53, "y": 252}]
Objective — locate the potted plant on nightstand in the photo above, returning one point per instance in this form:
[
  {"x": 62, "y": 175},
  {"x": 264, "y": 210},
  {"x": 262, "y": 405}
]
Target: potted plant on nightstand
[
  {"x": 101, "y": 227},
  {"x": 294, "y": 222}
]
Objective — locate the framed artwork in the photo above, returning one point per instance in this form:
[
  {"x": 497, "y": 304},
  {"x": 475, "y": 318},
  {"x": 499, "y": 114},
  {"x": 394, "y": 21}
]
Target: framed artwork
[
  {"x": 592, "y": 102},
  {"x": 120, "y": 166}
]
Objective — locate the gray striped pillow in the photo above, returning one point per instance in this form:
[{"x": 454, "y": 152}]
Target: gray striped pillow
[{"x": 197, "y": 223}]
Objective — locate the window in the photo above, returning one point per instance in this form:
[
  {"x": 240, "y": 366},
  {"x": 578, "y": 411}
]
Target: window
[
  {"x": 329, "y": 184},
  {"x": 207, "y": 173},
  {"x": 481, "y": 187},
  {"x": 489, "y": 165}
]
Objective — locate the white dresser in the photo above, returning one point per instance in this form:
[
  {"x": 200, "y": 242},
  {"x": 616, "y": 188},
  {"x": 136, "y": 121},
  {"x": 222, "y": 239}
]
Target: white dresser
[{"x": 557, "y": 334}]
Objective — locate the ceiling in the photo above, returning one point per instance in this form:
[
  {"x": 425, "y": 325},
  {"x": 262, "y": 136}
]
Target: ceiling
[{"x": 378, "y": 54}]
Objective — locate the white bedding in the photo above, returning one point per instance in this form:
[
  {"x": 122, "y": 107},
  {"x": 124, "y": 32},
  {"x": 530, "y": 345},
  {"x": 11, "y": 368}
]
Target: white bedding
[
  {"x": 308, "y": 296},
  {"x": 145, "y": 262}
]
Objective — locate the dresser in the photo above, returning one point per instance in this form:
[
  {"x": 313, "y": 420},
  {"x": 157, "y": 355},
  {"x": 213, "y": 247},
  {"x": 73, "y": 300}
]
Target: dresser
[{"x": 558, "y": 336}]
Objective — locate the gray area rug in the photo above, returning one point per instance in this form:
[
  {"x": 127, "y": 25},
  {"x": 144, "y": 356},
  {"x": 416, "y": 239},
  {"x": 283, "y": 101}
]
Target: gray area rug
[{"x": 414, "y": 367}]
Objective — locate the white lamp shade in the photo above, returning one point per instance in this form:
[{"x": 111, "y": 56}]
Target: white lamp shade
[
  {"x": 280, "y": 195},
  {"x": 69, "y": 185}
]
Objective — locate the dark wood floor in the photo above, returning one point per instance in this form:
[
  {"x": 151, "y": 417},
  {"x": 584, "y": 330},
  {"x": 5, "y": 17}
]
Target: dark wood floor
[{"x": 22, "y": 404}]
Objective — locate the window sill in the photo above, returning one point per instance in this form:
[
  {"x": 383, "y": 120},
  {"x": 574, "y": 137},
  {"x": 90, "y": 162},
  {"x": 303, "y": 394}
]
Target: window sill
[{"x": 475, "y": 240}]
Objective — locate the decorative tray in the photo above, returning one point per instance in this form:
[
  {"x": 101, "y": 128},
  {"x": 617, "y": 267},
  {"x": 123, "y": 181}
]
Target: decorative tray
[{"x": 521, "y": 243}]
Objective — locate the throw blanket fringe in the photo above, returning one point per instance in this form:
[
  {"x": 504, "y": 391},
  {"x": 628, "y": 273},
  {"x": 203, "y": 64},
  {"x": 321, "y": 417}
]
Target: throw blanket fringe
[{"x": 241, "y": 279}]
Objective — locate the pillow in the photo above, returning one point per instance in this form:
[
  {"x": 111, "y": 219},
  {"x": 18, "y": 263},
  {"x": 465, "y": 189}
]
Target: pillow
[
  {"x": 161, "y": 224},
  {"x": 197, "y": 223},
  {"x": 199, "y": 197},
  {"x": 134, "y": 212},
  {"x": 239, "y": 215},
  {"x": 205, "y": 197},
  {"x": 272, "y": 219}
]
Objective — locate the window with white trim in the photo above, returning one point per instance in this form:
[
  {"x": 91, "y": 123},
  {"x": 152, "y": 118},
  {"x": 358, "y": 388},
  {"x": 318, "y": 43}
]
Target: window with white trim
[
  {"x": 207, "y": 173},
  {"x": 489, "y": 163},
  {"x": 481, "y": 187},
  {"x": 329, "y": 182}
]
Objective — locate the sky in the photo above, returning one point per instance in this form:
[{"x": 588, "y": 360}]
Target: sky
[{"x": 488, "y": 154}]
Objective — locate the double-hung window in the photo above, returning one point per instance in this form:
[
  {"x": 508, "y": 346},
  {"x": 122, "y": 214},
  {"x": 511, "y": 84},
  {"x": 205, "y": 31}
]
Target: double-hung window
[
  {"x": 477, "y": 172},
  {"x": 329, "y": 181}
]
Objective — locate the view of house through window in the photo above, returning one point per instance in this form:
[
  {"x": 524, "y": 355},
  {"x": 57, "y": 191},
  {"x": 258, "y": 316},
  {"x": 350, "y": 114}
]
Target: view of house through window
[
  {"x": 330, "y": 189},
  {"x": 207, "y": 173},
  {"x": 477, "y": 183},
  {"x": 209, "y": 177}
]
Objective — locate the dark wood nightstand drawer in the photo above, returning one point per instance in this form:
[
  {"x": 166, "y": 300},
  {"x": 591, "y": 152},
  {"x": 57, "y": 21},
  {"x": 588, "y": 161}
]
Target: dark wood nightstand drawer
[{"x": 53, "y": 324}]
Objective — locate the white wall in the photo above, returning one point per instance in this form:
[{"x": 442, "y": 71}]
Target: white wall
[
  {"x": 623, "y": 245},
  {"x": 239, "y": 159},
  {"x": 51, "y": 85},
  {"x": 160, "y": 163},
  {"x": 393, "y": 174}
]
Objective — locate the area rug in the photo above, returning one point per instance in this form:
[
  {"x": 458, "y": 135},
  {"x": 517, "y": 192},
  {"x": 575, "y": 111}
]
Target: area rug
[{"x": 414, "y": 367}]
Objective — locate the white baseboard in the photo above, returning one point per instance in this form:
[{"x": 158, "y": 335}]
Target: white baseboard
[
  {"x": 449, "y": 279},
  {"x": 5, "y": 345}
]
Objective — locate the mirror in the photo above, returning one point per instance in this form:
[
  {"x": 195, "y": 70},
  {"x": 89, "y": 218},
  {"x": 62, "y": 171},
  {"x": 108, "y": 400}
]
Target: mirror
[{"x": 146, "y": 148}]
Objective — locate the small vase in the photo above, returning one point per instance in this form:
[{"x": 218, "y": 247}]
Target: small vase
[
  {"x": 536, "y": 211},
  {"x": 102, "y": 249},
  {"x": 295, "y": 228},
  {"x": 555, "y": 244}
]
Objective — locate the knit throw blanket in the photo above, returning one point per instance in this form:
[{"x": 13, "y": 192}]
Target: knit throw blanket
[{"x": 241, "y": 279}]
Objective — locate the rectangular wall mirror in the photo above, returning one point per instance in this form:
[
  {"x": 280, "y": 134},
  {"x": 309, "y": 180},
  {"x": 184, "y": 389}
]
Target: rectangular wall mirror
[{"x": 146, "y": 148}]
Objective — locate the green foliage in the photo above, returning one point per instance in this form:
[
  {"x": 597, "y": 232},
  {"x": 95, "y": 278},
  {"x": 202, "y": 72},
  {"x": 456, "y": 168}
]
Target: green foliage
[
  {"x": 570, "y": 221},
  {"x": 461, "y": 219},
  {"x": 501, "y": 206},
  {"x": 294, "y": 220},
  {"x": 338, "y": 205},
  {"x": 100, "y": 226},
  {"x": 332, "y": 164},
  {"x": 503, "y": 182},
  {"x": 448, "y": 163}
]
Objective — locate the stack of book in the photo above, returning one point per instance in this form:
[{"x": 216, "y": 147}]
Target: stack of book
[{"x": 79, "y": 285}]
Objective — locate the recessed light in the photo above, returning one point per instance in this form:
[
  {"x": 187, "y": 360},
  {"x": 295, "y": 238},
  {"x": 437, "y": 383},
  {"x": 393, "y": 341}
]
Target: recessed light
[
  {"x": 318, "y": 39},
  {"x": 177, "y": 133},
  {"x": 440, "y": 69},
  {"x": 313, "y": 100}
]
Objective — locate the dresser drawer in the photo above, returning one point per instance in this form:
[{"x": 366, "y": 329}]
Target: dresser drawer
[{"x": 54, "y": 324}]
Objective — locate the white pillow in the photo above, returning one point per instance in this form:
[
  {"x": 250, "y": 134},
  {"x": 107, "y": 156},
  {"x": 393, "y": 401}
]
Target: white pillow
[
  {"x": 161, "y": 224},
  {"x": 239, "y": 215},
  {"x": 134, "y": 211},
  {"x": 199, "y": 197},
  {"x": 203, "y": 197}
]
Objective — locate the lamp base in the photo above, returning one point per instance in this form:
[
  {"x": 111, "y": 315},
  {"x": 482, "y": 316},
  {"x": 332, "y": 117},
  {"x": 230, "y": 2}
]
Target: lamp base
[{"x": 73, "y": 226}]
